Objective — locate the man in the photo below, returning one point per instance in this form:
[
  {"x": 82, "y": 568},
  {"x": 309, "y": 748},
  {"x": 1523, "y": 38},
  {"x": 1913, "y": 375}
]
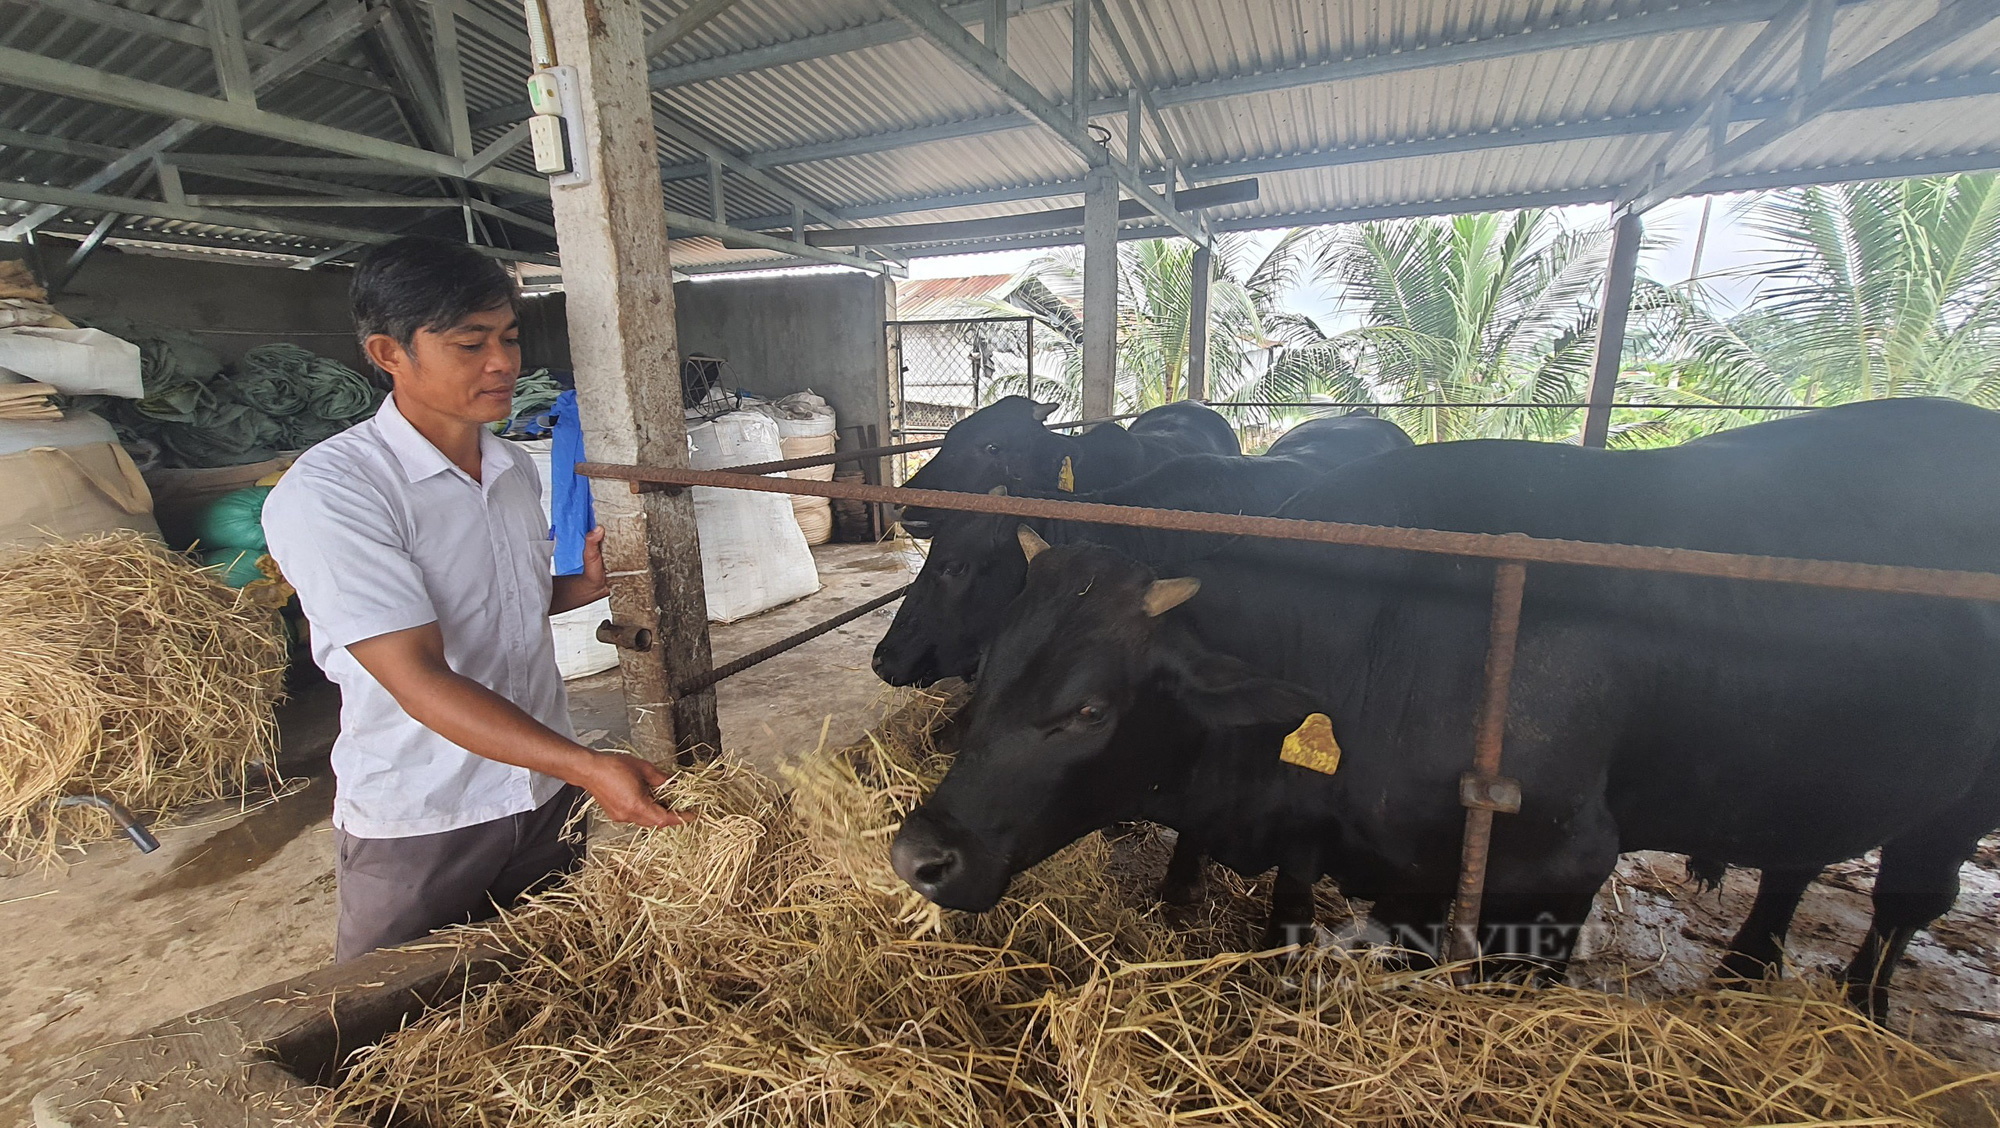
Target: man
[{"x": 417, "y": 545}]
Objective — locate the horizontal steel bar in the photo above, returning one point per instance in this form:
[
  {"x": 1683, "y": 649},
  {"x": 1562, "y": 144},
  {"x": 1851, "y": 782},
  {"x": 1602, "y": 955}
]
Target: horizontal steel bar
[
  {"x": 736, "y": 666},
  {"x": 1894, "y": 579},
  {"x": 1057, "y": 219},
  {"x": 884, "y": 451}
]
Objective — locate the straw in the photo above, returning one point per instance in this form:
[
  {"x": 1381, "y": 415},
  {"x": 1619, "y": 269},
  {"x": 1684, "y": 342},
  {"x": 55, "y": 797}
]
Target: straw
[
  {"x": 129, "y": 673},
  {"x": 763, "y": 966}
]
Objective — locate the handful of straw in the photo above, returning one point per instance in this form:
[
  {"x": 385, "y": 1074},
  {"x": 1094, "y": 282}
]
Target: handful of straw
[
  {"x": 763, "y": 966},
  {"x": 127, "y": 672}
]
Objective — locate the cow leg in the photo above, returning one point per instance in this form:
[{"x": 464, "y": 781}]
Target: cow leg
[
  {"x": 1916, "y": 884},
  {"x": 1414, "y": 927},
  {"x": 1759, "y": 944},
  {"x": 1291, "y": 912},
  {"x": 1182, "y": 885}
]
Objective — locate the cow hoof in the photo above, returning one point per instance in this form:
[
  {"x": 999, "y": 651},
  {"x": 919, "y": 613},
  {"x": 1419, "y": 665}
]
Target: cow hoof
[
  {"x": 1870, "y": 1000},
  {"x": 1276, "y": 935},
  {"x": 1738, "y": 967},
  {"x": 1180, "y": 894}
]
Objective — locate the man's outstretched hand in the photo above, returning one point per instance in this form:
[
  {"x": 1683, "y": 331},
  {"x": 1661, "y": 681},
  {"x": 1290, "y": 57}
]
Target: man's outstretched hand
[{"x": 623, "y": 786}]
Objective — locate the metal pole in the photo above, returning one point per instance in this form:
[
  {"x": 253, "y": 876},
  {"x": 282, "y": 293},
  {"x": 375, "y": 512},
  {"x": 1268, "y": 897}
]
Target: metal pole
[
  {"x": 1197, "y": 358},
  {"x": 1617, "y": 305},
  {"x": 1100, "y": 293},
  {"x": 1483, "y": 790},
  {"x": 613, "y": 236}
]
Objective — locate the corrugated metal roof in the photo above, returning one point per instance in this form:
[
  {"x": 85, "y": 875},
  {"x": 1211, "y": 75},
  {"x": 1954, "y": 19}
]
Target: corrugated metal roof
[{"x": 1339, "y": 107}]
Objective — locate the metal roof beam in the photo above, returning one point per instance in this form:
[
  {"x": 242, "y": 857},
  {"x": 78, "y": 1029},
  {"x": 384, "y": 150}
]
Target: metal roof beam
[
  {"x": 219, "y": 217},
  {"x": 1714, "y": 117},
  {"x": 972, "y": 55},
  {"x": 1059, "y": 219},
  {"x": 315, "y": 42},
  {"x": 451, "y": 74},
  {"x": 684, "y": 24},
  {"x": 38, "y": 72},
  {"x": 142, "y": 23},
  {"x": 1967, "y": 86},
  {"x": 861, "y": 37},
  {"x": 1953, "y": 20},
  {"x": 225, "y": 43},
  {"x": 1633, "y": 26}
]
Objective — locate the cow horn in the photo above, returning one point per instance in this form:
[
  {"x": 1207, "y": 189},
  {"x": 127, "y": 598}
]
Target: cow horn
[
  {"x": 1163, "y": 596},
  {"x": 1044, "y": 410},
  {"x": 997, "y": 491},
  {"x": 1031, "y": 542}
]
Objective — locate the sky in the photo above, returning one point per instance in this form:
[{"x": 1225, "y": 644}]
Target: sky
[{"x": 1668, "y": 256}]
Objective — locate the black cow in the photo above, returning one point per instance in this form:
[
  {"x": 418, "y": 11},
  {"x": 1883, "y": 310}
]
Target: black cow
[
  {"x": 1770, "y": 725},
  {"x": 974, "y": 568},
  {"x": 1005, "y": 444}
]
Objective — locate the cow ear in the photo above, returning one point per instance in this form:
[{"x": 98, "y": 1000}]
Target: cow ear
[
  {"x": 1032, "y": 544},
  {"x": 1163, "y": 596},
  {"x": 1222, "y": 692},
  {"x": 1044, "y": 410}
]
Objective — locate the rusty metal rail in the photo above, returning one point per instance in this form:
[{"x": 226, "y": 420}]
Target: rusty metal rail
[
  {"x": 1483, "y": 791},
  {"x": 1491, "y": 546},
  {"x": 864, "y": 454},
  {"x": 766, "y": 653}
]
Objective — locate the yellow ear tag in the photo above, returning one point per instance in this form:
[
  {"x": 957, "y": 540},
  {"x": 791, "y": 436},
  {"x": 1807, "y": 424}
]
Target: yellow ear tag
[
  {"x": 1066, "y": 477},
  {"x": 1312, "y": 746}
]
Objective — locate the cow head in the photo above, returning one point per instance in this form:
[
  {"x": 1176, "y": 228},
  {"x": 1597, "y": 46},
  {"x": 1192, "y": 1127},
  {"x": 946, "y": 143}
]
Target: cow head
[
  {"x": 955, "y": 606},
  {"x": 1092, "y": 699},
  {"x": 1001, "y": 444}
]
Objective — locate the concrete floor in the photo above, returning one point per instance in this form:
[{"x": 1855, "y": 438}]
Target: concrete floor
[{"x": 234, "y": 899}]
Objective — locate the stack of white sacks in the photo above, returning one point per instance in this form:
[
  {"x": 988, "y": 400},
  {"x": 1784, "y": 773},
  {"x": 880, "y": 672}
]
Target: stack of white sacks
[
  {"x": 755, "y": 552},
  {"x": 61, "y": 475},
  {"x": 806, "y": 429}
]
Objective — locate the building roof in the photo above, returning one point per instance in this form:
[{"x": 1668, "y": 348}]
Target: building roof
[
  {"x": 1341, "y": 109},
  {"x": 971, "y": 295}
]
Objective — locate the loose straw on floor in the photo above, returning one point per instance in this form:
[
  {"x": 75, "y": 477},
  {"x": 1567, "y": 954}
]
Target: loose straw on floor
[
  {"x": 763, "y": 966},
  {"x": 128, "y": 672}
]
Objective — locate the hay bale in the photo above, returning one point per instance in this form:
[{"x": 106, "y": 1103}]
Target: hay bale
[
  {"x": 125, "y": 672},
  {"x": 763, "y": 966}
]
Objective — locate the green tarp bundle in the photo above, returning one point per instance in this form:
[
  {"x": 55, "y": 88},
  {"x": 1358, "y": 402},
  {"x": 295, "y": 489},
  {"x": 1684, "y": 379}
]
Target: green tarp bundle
[{"x": 280, "y": 397}]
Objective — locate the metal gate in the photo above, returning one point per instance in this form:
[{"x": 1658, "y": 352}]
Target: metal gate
[{"x": 948, "y": 369}]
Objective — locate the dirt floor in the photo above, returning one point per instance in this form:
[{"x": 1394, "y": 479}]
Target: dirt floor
[
  {"x": 121, "y": 941},
  {"x": 233, "y": 900}
]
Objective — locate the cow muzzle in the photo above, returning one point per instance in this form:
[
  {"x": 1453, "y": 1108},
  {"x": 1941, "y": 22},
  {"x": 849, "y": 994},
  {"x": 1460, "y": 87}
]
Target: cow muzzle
[{"x": 936, "y": 863}]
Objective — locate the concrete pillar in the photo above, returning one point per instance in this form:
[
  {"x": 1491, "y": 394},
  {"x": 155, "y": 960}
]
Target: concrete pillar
[
  {"x": 1611, "y": 315},
  {"x": 1197, "y": 358},
  {"x": 1100, "y": 295},
  {"x": 620, "y": 299}
]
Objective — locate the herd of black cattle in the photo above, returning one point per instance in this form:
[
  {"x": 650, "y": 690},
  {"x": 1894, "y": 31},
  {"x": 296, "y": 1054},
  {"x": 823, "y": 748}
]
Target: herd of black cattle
[{"x": 1123, "y": 674}]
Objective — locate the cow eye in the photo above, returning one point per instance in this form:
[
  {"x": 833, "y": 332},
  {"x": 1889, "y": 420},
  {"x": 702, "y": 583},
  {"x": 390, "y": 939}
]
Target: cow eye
[
  {"x": 992, "y": 448},
  {"x": 1091, "y": 714},
  {"x": 953, "y": 568}
]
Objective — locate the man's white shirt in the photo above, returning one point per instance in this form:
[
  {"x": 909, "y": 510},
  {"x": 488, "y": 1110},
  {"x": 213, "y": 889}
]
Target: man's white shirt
[{"x": 380, "y": 532}]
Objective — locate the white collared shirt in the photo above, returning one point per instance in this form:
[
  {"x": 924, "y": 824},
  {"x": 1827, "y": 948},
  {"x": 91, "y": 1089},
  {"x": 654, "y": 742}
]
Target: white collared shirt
[{"x": 380, "y": 532}]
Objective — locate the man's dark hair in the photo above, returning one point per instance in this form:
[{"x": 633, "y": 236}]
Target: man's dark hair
[{"x": 417, "y": 282}]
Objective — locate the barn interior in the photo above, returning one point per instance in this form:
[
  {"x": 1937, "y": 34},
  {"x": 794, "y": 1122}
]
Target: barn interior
[{"x": 712, "y": 216}]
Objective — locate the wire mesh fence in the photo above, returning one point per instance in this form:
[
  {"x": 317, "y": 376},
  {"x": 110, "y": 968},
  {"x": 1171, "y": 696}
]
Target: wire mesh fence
[{"x": 947, "y": 369}]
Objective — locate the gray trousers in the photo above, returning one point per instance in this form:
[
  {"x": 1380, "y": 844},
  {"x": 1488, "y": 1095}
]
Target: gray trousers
[{"x": 394, "y": 890}]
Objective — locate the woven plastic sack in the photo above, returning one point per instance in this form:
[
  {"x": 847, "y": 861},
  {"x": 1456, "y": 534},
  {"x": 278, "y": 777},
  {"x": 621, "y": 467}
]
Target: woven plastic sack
[
  {"x": 234, "y": 521},
  {"x": 753, "y": 555}
]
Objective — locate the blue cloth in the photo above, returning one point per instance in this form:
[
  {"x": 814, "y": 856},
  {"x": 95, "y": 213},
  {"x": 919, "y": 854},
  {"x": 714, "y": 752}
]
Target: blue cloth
[{"x": 570, "y": 512}]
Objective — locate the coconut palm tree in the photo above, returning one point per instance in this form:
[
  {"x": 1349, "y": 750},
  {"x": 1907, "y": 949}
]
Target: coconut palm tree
[
  {"x": 1155, "y": 302},
  {"x": 1496, "y": 307},
  {"x": 1871, "y": 290}
]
